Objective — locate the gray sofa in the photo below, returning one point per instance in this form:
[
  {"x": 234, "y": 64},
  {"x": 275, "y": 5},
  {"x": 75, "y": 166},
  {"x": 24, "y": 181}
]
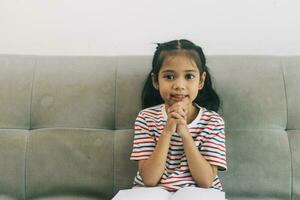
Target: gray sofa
[{"x": 66, "y": 125}]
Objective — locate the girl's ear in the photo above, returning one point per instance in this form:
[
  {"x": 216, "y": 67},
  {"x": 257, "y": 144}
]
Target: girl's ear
[
  {"x": 154, "y": 81},
  {"x": 202, "y": 80}
]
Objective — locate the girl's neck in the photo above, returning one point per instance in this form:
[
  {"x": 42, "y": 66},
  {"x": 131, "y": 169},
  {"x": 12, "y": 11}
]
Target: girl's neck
[{"x": 192, "y": 114}]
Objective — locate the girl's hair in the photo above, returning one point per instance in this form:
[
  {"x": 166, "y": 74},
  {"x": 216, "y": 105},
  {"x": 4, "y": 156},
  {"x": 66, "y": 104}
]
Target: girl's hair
[{"x": 207, "y": 97}]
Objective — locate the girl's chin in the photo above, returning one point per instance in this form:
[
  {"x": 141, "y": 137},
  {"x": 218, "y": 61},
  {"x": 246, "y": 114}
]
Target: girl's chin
[{"x": 170, "y": 103}]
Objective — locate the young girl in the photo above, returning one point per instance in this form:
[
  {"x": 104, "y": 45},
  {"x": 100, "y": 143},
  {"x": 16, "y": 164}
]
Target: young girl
[{"x": 179, "y": 138}]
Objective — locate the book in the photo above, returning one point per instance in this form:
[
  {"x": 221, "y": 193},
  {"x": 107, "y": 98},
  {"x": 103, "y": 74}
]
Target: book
[{"x": 158, "y": 193}]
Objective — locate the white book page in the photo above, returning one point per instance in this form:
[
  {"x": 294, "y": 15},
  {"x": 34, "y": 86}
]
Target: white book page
[
  {"x": 144, "y": 193},
  {"x": 196, "y": 193}
]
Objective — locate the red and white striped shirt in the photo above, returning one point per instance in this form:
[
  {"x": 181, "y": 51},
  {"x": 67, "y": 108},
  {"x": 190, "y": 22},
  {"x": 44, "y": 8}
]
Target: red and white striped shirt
[{"x": 207, "y": 130}]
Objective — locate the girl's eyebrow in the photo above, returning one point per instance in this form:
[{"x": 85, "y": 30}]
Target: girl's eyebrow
[
  {"x": 172, "y": 71},
  {"x": 167, "y": 70},
  {"x": 191, "y": 70}
]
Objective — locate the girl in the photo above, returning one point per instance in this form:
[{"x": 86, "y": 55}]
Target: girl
[{"x": 179, "y": 139}]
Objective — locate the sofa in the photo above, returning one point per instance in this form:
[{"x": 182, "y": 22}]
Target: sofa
[{"x": 66, "y": 125}]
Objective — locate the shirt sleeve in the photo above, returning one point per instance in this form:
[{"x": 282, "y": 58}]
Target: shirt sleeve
[
  {"x": 143, "y": 141},
  {"x": 213, "y": 147}
]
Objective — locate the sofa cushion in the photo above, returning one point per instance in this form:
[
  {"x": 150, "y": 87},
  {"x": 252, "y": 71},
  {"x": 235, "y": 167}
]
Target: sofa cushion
[
  {"x": 131, "y": 74},
  {"x": 62, "y": 162},
  {"x": 291, "y": 67},
  {"x": 15, "y": 90},
  {"x": 259, "y": 165},
  {"x": 252, "y": 91},
  {"x": 12, "y": 163},
  {"x": 122, "y": 165},
  {"x": 74, "y": 92},
  {"x": 294, "y": 138}
]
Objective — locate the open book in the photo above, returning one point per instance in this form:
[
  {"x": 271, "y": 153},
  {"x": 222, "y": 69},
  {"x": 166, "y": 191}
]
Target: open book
[{"x": 157, "y": 193}]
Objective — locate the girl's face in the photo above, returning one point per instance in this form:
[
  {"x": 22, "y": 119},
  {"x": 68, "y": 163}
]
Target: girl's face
[{"x": 179, "y": 80}]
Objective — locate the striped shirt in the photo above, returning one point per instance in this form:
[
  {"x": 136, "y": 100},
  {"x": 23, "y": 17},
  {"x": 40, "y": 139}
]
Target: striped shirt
[{"x": 207, "y": 130}]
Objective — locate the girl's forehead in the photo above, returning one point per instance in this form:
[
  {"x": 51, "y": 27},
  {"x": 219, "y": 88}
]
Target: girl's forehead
[{"x": 178, "y": 62}]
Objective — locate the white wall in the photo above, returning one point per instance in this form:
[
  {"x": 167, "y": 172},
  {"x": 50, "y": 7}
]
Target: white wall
[{"x": 125, "y": 27}]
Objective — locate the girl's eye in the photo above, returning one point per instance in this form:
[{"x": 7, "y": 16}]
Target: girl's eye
[
  {"x": 169, "y": 77},
  {"x": 190, "y": 76}
]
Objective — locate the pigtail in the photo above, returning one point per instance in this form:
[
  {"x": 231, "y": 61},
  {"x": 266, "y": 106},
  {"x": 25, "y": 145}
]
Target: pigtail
[
  {"x": 150, "y": 96},
  {"x": 207, "y": 97}
]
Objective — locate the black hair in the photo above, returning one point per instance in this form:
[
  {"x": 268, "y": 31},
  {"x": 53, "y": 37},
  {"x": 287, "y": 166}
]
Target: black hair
[{"x": 207, "y": 97}]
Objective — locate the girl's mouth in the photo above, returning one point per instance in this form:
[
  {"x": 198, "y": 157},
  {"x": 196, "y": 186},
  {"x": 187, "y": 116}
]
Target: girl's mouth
[{"x": 178, "y": 97}]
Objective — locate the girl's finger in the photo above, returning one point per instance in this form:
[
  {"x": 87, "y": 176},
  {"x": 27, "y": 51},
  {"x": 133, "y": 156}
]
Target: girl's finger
[
  {"x": 176, "y": 115},
  {"x": 182, "y": 113},
  {"x": 174, "y": 108}
]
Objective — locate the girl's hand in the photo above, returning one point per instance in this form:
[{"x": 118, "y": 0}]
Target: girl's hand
[
  {"x": 171, "y": 124},
  {"x": 177, "y": 113},
  {"x": 170, "y": 127}
]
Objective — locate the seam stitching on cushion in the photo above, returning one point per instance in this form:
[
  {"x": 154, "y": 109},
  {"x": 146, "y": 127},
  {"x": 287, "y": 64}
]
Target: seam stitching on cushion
[
  {"x": 114, "y": 166},
  {"x": 115, "y": 123},
  {"x": 25, "y": 165},
  {"x": 115, "y": 100},
  {"x": 30, "y": 127},
  {"x": 285, "y": 92},
  {"x": 31, "y": 94},
  {"x": 287, "y": 110},
  {"x": 291, "y": 165}
]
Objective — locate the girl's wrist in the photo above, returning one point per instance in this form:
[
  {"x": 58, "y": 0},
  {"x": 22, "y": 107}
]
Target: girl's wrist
[
  {"x": 186, "y": 136},
  {"x": 183, "y": 129},
  {"x": 166, "y": 132}
]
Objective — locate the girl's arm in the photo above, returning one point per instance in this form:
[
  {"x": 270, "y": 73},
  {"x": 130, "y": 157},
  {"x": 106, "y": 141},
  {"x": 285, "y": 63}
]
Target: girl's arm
[
  {"x": 151, "y": 170},
  {"x": 202, "y": 172}
]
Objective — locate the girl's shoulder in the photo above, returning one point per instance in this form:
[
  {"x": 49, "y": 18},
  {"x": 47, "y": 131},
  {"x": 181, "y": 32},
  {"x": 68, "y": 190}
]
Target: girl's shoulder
[
  {"x": 154, "y": 111},
  {"x": 212, "y": 116}
]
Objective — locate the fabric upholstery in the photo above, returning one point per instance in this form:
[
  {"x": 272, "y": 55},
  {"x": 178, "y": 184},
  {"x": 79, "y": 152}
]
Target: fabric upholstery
[
  {"x": 12, "y": 163},
  {"x": 254, "y": 169},
  {"x": 131, "y": 74},
  {"x": 66, "y": 125},
  {"x": 67, "y": 92},
  {"x": 252, "y": 91},
  {"x": 124, "y": 170},
  {"x": 291, "y": 72},
  {"x": 16, "y": 79},
  {"x": 73, "y": 161}
]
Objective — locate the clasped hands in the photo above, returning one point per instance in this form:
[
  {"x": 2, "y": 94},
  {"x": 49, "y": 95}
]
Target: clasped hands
[{"x": 177, "y": 119}]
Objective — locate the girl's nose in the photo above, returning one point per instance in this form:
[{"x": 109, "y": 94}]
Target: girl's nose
[{"x": 179, "y": 84}]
